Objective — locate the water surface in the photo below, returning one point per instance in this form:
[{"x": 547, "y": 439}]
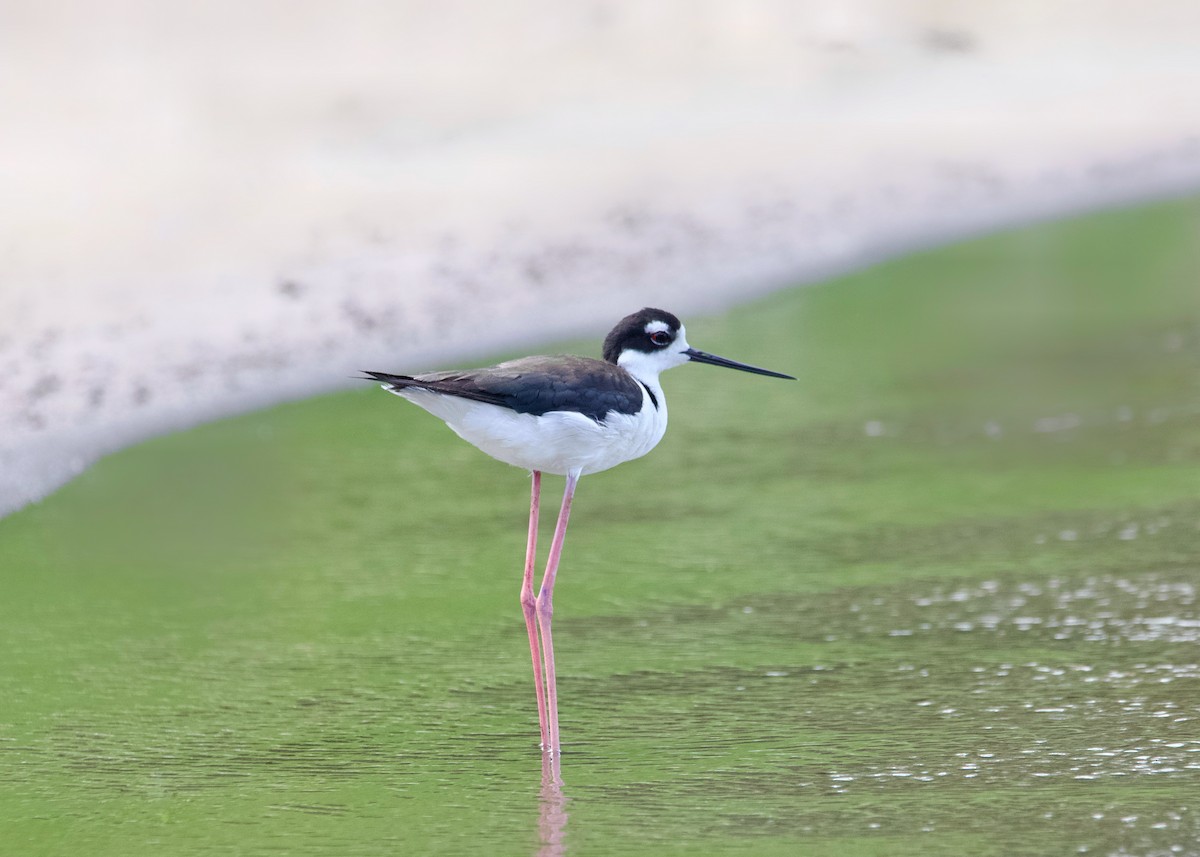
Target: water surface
[{"x": 938, "y": 596}]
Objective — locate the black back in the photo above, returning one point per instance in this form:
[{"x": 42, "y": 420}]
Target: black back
[{"x": 536, "y": 385}]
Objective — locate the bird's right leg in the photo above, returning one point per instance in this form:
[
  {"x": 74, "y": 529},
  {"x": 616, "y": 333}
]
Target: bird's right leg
[
  {"x": 545, "y": 609},
  {"x": 529, "y": 606}
]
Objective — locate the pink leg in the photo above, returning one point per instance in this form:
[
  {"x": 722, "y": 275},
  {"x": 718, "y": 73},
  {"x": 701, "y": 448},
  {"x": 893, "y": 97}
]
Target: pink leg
[
  {"x": 545, "y": 610},
  {"x": 529, "y": 604}
]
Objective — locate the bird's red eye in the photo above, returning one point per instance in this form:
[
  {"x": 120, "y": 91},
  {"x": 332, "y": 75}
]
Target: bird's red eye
[{"x": 660, "y": 337}]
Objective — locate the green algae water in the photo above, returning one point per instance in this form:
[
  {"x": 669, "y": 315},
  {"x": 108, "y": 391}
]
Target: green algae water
[{"x": 936, "y": 597}]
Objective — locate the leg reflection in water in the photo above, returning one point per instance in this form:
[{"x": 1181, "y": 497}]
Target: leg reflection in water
[{"x": 552, "y": 809}]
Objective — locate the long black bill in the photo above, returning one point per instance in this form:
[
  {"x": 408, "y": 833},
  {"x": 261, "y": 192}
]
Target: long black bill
[{"x": 714, "y": 360}]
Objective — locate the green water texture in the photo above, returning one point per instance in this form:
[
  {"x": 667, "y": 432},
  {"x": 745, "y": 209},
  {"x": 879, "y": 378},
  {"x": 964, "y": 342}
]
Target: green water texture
[{"x": 938, "y": 596}]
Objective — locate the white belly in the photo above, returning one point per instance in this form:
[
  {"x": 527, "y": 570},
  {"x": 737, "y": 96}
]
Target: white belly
[{"x": 555, "y": 442}]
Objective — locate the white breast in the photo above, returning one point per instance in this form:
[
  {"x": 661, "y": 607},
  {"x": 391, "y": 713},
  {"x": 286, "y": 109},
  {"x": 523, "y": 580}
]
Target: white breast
[{"x": 555, "y": 442}]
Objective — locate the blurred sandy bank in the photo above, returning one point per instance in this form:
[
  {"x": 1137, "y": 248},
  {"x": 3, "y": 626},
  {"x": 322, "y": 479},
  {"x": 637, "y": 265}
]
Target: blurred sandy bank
[{"x": 210, "y": 206}]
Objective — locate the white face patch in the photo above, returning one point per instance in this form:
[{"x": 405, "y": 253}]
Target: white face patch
[{"x": 646, "y": 367}]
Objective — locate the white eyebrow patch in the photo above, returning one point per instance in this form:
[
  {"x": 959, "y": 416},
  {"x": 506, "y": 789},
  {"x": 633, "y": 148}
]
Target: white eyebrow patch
[{"x": 657, "y": 327}]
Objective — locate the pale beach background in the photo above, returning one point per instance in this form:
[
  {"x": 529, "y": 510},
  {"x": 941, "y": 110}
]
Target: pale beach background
[{"x": 211, "y": 207}]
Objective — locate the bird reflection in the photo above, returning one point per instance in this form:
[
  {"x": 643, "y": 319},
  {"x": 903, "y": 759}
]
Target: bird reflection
[{"x": 552, "y": 809}]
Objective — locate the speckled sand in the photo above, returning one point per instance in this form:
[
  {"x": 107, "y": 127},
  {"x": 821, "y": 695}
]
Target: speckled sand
[{"x": 210, "y": 210}]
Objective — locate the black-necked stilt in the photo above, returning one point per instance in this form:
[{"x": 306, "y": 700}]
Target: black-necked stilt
[{"x": 568, "y": 416}]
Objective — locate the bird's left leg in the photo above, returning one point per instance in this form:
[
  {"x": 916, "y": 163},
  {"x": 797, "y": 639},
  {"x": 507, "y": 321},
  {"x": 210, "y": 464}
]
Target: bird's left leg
[
  {"x": 529, "y": 604},
  {"x": 545, "y": 609}
]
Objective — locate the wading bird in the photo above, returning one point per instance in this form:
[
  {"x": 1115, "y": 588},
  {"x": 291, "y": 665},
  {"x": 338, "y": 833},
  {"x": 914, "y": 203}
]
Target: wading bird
[{"x": 568, "y": 416}]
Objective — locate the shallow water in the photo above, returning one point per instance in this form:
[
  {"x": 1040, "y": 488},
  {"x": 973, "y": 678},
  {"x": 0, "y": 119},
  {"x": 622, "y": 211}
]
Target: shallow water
[
  {"x": 906, "y": 612},
  {"x": 931, "y": 717}
]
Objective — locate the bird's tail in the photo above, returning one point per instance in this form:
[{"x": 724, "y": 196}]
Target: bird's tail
[{"x": 395, "y": 382}]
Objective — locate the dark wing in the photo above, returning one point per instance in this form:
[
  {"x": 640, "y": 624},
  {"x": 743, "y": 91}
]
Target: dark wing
[{"x": 536, "y": 385}]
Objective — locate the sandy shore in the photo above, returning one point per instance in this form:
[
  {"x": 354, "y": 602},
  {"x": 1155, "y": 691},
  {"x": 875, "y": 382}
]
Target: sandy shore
[{"x": 210, "y": 210}]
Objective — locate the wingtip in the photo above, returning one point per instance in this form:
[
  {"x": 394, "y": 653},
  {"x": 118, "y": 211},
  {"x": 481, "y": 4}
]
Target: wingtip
[{"x": 387, "y": 379}]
